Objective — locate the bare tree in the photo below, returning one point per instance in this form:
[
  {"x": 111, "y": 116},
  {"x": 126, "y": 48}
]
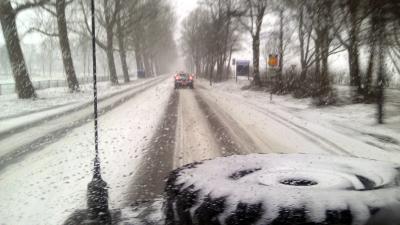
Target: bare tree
[
  {"x": 150, "y": 33},
  {"x": 305, "y": 29},
  {"x": 253, "y": 20},
  {"x": 191, "y": 41},
  {"x": 121, "y": 43},
  {"x": 8, "y": 14},
  {"x": 348, "y": 31},
  {"x": 107, "y": 17},
  {"x": 57, "y": 9},
  {"x": 210, "y": 36},
  {"x": 130, "y": 14},
  {"x": 69, "y": 68},
  {"x": 278, "y": 40},
  {"x": 383, "y": 21}
]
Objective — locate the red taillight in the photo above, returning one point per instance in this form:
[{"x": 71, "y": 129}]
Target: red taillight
[
  {"x": 177, "y": 77},
  {"x": 190, "y": 78}
]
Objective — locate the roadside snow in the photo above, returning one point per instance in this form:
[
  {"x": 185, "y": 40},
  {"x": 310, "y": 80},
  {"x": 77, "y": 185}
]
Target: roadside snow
[
  {"x": 54, "y": 103},
  {"x": 351, "y": 127},
  {"x": 48, "y": 185},
  {"x": 55, "y": 98}
]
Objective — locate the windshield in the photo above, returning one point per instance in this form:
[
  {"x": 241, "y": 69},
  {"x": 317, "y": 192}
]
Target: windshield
[{"x": 237, "y": 111}]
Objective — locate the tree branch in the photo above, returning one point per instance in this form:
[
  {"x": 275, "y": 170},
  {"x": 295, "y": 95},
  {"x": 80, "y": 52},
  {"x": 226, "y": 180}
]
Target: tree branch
[
  {"x": 46, "y": 33},
  {"x": 28, "y": 5}
]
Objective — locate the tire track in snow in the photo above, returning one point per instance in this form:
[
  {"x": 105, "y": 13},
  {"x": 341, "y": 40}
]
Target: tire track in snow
[
  {"x": 166, "y": 145},
  {"x": 307, "y": 133},
  {"x": 231, "y": 139},
  {"x": 250, "y": 141},
  {"x": 157, "y": 162},
  {"x": 195, "y": 140}
]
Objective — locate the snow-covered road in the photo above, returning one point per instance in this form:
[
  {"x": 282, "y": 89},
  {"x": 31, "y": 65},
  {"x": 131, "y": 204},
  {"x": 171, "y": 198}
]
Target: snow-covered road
[
  {"x": 152, "y": 132},
  {"x": 194, "y": 137}
]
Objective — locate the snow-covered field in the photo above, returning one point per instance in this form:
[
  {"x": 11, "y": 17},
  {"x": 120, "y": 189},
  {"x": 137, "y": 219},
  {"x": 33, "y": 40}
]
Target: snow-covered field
[{"x": 48, "y": 185}]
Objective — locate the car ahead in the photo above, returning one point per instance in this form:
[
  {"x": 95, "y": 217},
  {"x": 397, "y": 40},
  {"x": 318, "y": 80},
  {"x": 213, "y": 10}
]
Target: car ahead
[{"x": 184, "y": 80}]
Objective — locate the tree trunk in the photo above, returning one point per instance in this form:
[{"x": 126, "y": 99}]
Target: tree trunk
[
  {"x": 138, "y": 57},
  {"x": 325, "y": 83},
  {"x": 370, "y": 69},
  {"x": 354, "y": 66},
  {"x": 228, "y": 66},
  {"x": 380, "y": 85},
  {"x": 154, "y": 67},
  {"x": 147, "y": 66},
  {"x": 211, "y": 65},
  {"x": 280, "y": 66},
  {"x": 368, "y": 93},
  {"x": 23, "y": 84},
  {"x": 122, "y": 51},
  {"x": 110, "y": 57},
  {"x": 317, "y": 73},
  {"x": 256, "y": 60},
  {"x": 380, "y": 22},
  {"x": 324, "y": 51},
  {"x": 69, "y": 69},
  {"x": 158, "y": 68},
  {"x": 322, "y": 44},
  {"x": 197, "y": 63},
  {"x": 303, "y": 63},
  {"x": 220, "y": 68}
]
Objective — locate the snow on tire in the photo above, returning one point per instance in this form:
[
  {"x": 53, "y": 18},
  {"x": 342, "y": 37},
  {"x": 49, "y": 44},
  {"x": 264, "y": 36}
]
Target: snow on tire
[{"x": 283, "y": 189}]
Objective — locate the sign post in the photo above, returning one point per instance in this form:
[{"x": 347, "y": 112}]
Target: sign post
[
  {"x": 242, "y": 68},
  {"x": 234, "y": 64},
  {"x": 272, "y": 66},
  {"x": 273, "y": 60}
]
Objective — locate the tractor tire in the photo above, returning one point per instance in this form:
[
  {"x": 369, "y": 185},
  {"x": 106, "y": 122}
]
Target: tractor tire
[{"x": 279, "y": 189}]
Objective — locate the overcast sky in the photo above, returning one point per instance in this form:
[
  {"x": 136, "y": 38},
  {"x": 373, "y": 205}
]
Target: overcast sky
[{"x": 181, "y": 7}]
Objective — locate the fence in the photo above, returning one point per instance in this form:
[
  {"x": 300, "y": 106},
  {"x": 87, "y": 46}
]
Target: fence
[{"x": 9, "y": 88}]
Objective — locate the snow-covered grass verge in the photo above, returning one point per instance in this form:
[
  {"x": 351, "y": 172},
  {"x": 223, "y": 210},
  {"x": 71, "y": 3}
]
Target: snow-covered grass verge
[
  {"x": 51, "y": 98},
  {"x": 49, "y": 107}
]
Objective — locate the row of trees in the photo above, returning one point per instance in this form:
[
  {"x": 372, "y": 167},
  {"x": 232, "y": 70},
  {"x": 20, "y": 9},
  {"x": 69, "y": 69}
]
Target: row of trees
[
  {"x": 142, "y": 27},
  {"x": 325, "y": 28},
  {"x": 210, "y": 35},
  {"x": 367, "y": 31},
  {"x": 215, "y": 30},
  {"x": 310, "y": 30}
]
